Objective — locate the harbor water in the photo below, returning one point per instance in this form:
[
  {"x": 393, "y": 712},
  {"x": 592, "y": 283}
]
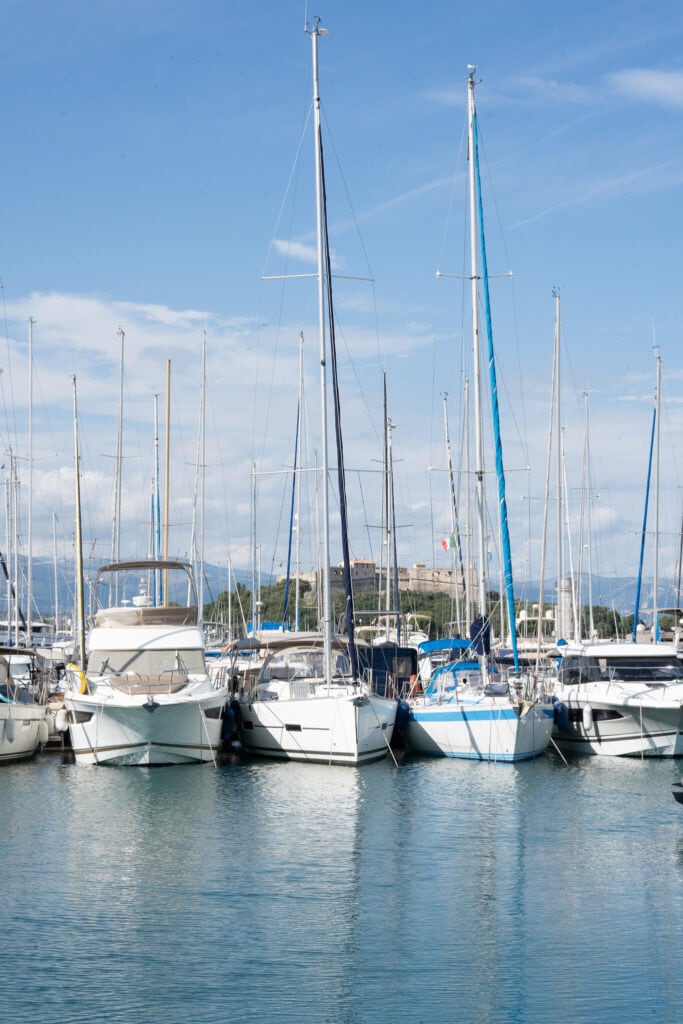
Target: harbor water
[{"x": 438, "y": 891}]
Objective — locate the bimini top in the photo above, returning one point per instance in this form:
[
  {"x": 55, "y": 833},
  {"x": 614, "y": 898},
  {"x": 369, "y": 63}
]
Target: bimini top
[
  {"x": 279, "y": 641},
  {"x": 165, "y": 594},
  {"x": 453, "y": 644}
]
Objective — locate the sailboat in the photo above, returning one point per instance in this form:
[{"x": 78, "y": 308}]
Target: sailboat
[
  {"x": 310, "y": 701},
  {"x": 24, "y": 681},
  {"x": 471, "y": 708}
]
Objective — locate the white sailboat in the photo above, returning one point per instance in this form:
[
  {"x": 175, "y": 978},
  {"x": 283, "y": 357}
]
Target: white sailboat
[
  {"x": 470, "y": 709},
  {"x": 23, "y": 697},
  {"x": 309, "y": 702}
]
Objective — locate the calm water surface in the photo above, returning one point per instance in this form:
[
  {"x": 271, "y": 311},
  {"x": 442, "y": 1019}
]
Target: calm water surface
[{"x": 441, "y": 891}]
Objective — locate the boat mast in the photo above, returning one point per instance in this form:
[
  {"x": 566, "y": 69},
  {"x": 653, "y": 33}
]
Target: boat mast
[
  {"x": 80, "y": 604},
  {"x": 655, "y": 581},
  {"x": 314, "y": 32},
  {"x": 167, "y": 462},
  {"x": 297, "y": 471},
  {"x": 56, "y": 578},
  {"x": 560, "y": 625},
  {"x": 476, "y": 359},
  {"x": 156, "y": 502},
  {"x": 15, "y": 545},
  {"x": 294, "y": 503},
  {"x": 197, "y": 560},
  {"x": 468, "y": 509},
  {"x": 591, "y": 624},
  {"x": 116, "y": 516},
  {"x": 455, "y": 525},
  {"x": 639, "y": 579},
  {"x": 29, "y": 601},
  {"x": 388, "y": 510},
  {"x": 493, "y": 387}
]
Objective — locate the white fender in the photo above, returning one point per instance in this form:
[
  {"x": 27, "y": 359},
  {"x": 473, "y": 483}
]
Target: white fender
[
  {"x": 43, "y": 733},
  {"x": 10, "y": 729},
  {"x": 588, "y": 718},
  {"x": 62, "y": 720}
]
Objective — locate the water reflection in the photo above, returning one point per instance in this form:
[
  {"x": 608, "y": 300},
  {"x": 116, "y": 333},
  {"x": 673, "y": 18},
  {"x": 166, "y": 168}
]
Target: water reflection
[{"x": 439, "y": 891}]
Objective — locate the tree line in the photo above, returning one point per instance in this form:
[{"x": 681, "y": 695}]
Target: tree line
[{"x": 439, "y": 607}]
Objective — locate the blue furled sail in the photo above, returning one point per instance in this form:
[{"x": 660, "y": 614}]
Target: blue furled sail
[
  {"x": 643, "y": 533},
  {"x": 285, "y": 602},
  {"x": 507, "y": 557}
]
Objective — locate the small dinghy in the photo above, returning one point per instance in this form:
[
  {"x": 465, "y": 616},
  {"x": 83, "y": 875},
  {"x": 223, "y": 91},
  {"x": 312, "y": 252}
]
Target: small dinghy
[{"x": 678, "y": 791}]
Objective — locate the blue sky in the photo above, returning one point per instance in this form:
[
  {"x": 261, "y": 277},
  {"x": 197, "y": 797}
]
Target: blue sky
[{"x": 150, "y": 181}]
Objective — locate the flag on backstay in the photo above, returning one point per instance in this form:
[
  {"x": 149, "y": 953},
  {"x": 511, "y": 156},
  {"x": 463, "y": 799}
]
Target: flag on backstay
[{"x": 448, "y": 542}]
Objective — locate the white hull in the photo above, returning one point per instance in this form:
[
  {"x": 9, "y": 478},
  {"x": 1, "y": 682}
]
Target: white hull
[
  {"x": 489, "y": 729},
  {"x": 342, "y": 726},
  {"x": 20, "y": 730},
  {"x": 177, "y": 731},
  {"x": 611, "y": 720}
]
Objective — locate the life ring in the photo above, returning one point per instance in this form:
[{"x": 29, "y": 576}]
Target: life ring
[{"x": 74, "y": 670}]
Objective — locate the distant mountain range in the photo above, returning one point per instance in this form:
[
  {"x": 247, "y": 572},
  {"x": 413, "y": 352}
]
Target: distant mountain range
[
  {"x": 616, "y": 592},
  {"x": 43, "y": 584}
]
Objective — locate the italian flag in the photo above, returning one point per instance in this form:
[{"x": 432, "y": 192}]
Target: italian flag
[{"x": 448, "y": 542}]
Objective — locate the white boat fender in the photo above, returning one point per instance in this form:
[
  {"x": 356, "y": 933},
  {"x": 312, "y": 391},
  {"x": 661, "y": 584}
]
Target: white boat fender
[
  {"x": 588, "y": 718},
  {"x": 43, "y": 733},
  {"x": 62, "y": 720},
  {"x": 79, "y": 676},
  {"x": 10, "y": 729}
]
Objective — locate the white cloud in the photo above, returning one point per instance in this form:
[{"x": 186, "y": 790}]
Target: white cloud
[
  {"x": 662, "y": 87},
  {"x": 301, "y": 251}
]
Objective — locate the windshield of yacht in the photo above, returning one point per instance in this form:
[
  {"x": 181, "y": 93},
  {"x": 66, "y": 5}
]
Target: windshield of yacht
[
  {"x": 647, "y": 670},
  {"x": 151, "y": 662},
  {"x": 652, "y": 669},
  {"x": 300, "y": 663}
]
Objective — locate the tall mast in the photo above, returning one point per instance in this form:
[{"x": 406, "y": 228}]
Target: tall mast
[
  {"x": 314, "y": 32},
  {"x": 80, "y": 604},
  {"x": 56, "y": 578},
  {"x": 493, "y": 387},
  {"x": 560, "y": 624},
  {"x": 297, "y": 472},
  {"x": 15, "y": 543},
  {"x": 167, "y": 462},
  {"x": 591, "y": 624},
  {"x": 476, "y": 357},
  {"x": 29, "y": 630},
  {"x": 455, "y": 525},
  {"x": 156, "y": 501},
  {"x": 254, "y": 623},
  {"x": 387, "y": 506},
  {"x": 655, "y": 581},
  {"x": 468, "y": 506},
  {"x": 116, "y": 514},
  {"x": 202, "y": 503},
  {"x": 197, "y": 549}
]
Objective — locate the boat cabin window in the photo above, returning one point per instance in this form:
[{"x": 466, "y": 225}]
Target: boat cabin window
[
  {"x": 652, "y": 670},
  {"x": 579, "y": 670},
  {"x": 303, "y": 664},
  {"x": 146, "y": 662},
  {"x": 643, "y": 670}
]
